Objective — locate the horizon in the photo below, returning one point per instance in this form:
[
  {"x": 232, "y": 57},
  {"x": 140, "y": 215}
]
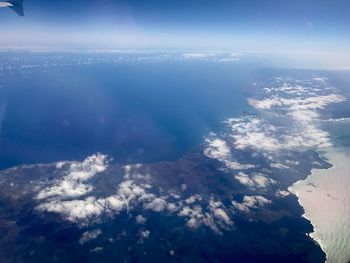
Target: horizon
[{"x": 311, "y": 25}]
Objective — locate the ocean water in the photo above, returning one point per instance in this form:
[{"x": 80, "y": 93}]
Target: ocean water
[
  {"x": 65, "y": 107},
  {"x": 325, "y": 197}
]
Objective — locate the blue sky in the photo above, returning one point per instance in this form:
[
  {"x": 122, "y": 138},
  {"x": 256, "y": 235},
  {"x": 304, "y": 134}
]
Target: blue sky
[{"x": 285, "y": 25}]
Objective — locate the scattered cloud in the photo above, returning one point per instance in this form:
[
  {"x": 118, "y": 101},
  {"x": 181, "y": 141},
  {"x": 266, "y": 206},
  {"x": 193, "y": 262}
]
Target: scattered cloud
[
  {"x": 262, "y": 181},
  {"x": 89, "y": 235},
  {"x": 213, "y": 216},
  {"x": 157, "y": 205},
  {"x": 73, "y": 184},
  {"x": 250, "y": 202},
  {"x": 134, "y": 193},
  {"x": 219, "y": 149},
  {"x": 282, "y": 193},
  {"x": 197, "y": 56},
  {"x": 141, "y": 219}
]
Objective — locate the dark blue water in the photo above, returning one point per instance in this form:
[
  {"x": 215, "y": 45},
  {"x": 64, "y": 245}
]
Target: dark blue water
[{"x": 135, "y": 112}]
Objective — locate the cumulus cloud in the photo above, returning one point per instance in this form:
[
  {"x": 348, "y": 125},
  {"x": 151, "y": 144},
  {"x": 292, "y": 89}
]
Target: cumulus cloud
[
  {"x": 244, "y": 179},
  {"x": 141, "y": 220},
  {"x": 250, "y": 132},
  {"x": 192, "y": 199},
  {"x": 157, "y": 205},
  {"x": 301, "y": 133},
  {"x": 213, "y": 216},
  {"x": 250, "y": 202},
  {"x": 75, "y": 210},
  {"x": 69, "y": 196},
  {"x": 219, "y": 149},
  {"x": 73, "y": 184},
  {"x": 89, "y": 235},
  {"x": 196, "y": 216},
  {"x": 217, "y": 207},
  {"x": 136, "y": 193},
  {"x": 256, "y": 180},
  {"x": 282, "y": 193},
  {"x": 127, "y": 196},
  {"x": 262, "y": 181}
]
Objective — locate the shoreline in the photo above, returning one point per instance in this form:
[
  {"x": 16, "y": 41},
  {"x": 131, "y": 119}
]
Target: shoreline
[
  {"x": 312, "y": 235},
  {"x": 322, "y": 196}
]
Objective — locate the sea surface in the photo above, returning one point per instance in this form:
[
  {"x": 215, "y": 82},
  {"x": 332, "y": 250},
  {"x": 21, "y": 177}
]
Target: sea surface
[{"x": 69, "y": 106}]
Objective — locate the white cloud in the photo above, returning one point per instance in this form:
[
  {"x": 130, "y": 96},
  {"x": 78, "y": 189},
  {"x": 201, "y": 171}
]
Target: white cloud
[
  {"x": 195, "y": 215},
  {"x": 89, "y": 235},
  {"x": 262, "y": 181},
  {"x": 250, "y": 202},
  {"x": 297, "y": 103},
  {"x": 157, "y": 205},
  {"x": 197, "y": 56},
  {"x": 302, "y": 132},
  {"x": 282, "y": 193},
  {"x": 215, "y": 217},
  {"x": 218, "y": 209},
  {"x": 75, "y": 210},
  {"x": 115, "y": 203},
  {"x": 244, "y": 179},
  {"x": 141, "y": 220},
  {"x": 251, "y": 132},
  {"x": 221, "y": 214},
  {"x": 145, "y": 234},
  {"x": 192, "y": 199},
  {"x": 279, "y": 166},
  {"x": 322, "y": 79},
  {"x": 65, "y": 196},
  {"x": 60, "y": 165},
  {"x": 255, "y": 180},
  {"x": 229, "y": 60},
  {"x": 73, "y": 184},
  {"x": 219, "y": 149}
]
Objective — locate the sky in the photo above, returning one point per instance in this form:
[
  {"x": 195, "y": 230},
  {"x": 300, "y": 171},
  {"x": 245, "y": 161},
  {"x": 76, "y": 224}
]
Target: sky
[{"x": 264, "y": 25}]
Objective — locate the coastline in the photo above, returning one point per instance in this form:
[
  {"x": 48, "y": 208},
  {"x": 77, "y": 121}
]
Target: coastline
[{"x": 323, "y": 196}]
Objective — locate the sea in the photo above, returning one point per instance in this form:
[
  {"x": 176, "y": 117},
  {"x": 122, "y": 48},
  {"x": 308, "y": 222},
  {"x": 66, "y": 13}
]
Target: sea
[{"x": 66, "y": 106}]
